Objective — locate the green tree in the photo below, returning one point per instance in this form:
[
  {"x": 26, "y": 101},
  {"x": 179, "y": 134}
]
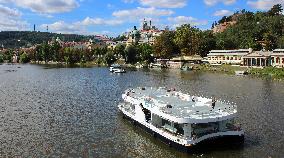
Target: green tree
[
  {"x": 207, "y": 43},
  {"x": 280, "y": 42},
  {"x": 120, "y": 50},
  {"x": 1, "y": 58},
  {"x": 146, "y": 52},
  {"x": 164, "y": 46},
  {"x": 131, "y": 54},
  {"x": 109, "y": 58},
  {"x": 188, "y": 39},
  {"x": 275, "y": 10},
  {"x": 24, "y": 58}
]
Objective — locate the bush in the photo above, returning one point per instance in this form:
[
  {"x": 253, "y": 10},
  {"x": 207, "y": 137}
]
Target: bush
[
  {"x": 1, "y": 58},
  {"x": 24, "y": 58}
]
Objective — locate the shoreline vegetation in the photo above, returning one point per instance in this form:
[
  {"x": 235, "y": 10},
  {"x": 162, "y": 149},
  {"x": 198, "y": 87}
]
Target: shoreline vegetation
[{"x": 267, "y": 72}]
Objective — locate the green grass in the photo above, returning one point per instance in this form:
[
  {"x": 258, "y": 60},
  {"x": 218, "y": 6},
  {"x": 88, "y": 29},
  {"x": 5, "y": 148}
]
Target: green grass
[{"x": 271, "y": 72}]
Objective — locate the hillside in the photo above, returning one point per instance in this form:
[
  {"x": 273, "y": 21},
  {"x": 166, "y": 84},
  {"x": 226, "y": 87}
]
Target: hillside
[
  {"x": 253, "y": 30},
  {"x": 17, "y": 39}
]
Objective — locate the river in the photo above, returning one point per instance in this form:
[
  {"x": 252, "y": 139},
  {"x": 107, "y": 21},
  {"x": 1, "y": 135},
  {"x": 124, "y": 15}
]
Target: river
[{"x": 72, "y": 112}]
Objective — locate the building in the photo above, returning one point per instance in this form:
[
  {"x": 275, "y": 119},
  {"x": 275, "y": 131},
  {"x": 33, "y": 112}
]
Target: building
[
  {"x": 227, "y": 56},
  {"x": 147, "y": 34},
  {"x": 258, "y": 59},
  {"x": 179, "y": 62},
  {"x": 277, "y": 58}
]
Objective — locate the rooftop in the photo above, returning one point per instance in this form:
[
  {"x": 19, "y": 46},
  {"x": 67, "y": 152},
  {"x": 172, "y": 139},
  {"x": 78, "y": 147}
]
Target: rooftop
[
  {"x": 182, "y": 105},
  {"x": 230, "y": 51}
]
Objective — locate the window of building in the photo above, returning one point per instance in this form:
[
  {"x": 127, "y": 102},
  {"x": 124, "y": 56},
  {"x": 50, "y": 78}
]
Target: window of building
[{"x": 282, "y": 60}]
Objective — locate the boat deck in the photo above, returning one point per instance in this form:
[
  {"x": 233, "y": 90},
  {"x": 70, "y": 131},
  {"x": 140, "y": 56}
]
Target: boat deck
[{"x": 181, "y": 105}]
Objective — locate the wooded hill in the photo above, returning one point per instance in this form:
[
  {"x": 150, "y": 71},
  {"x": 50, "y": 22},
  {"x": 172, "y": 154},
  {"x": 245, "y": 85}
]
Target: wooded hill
[{"x": 17, "y": 39}]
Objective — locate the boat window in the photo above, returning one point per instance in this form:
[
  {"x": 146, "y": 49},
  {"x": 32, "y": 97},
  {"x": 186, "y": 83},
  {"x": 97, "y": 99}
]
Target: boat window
[
  {"x": 167, "y": 125},
  {"x": 179, "y": 128},
  {"x": 202, "y": 129}
]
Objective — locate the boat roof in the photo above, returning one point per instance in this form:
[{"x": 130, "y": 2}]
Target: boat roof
[{"x": 173, "y": 104}]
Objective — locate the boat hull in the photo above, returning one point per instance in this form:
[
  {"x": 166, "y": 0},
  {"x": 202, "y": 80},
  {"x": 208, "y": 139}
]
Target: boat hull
[{"x": 220, "y": 141}]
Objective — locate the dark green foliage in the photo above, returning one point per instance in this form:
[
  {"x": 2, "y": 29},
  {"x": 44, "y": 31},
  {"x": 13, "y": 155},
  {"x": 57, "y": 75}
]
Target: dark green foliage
[
  {"x": 17, "y": 39},
  {"x": 145, "y": 52},
  {"x": 275, "y": 10},
  {"x": 131, "y": 54},
  {"x": 24, "y": 58},
  {"x": 254, "y": 30},
  {"x": 120, "y": 38},
  {"x": 165, "y": 46},
  {"x": 207, "y": 42},
  {"x": 109, "y": 58},
  {"x": 120, "y": 50},
  {"x": 1, "y": 58}
]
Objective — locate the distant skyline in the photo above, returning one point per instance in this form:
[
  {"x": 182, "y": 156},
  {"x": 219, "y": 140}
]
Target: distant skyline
[{"x": 89, "y": 17}]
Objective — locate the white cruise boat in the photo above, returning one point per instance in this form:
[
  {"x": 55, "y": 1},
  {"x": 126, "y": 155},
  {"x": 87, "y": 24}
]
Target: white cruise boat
[{"x": 178, "y": 119}]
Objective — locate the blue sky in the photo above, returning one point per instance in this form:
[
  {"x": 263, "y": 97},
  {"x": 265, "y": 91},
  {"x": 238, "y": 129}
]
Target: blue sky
[{"x": 115, "y": 17}]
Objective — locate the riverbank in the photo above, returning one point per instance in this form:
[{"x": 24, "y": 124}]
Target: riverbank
[
  {"x": 267, "y": 72},
  {"x": 87, "y": 64}
]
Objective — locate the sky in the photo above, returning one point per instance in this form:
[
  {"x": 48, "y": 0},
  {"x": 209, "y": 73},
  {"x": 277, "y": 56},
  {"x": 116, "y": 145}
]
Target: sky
[{"x": 113, "y": 17}]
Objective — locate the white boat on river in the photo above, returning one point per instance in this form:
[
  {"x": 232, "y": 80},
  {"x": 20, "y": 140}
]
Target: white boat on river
[
  {"x": 178, "y": 119},
  {"x": 116, "y": 68}
]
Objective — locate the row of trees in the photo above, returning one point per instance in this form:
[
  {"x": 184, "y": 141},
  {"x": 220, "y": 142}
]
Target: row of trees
[
  {"x": 260, "y": 30},
  {"x": 70, "y": 55},
  {"x": 186, "y": 40}
]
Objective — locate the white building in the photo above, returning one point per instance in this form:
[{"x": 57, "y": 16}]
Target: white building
[
  {"x": 258, "y": 59},
  {"x": 277, "y": 58},
  {"x": 147, "y": 34},
  {"x": 227, "y": 56}
]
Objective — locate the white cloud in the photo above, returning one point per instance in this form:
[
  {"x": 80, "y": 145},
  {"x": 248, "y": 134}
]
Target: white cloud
[
  {"x": 80, "y": 27},
  {"x": 180, "y": 20},
  {"x": 138, "y": 13},
  {"x": 45, "y": 6},
  {"x": 9, "y": 12},
  {"x": 63, "y": 27},
  {"x": 223, "y": 13},
  {"x": 214, "y": 2},
  {"x": 100, "y": 21},
  {"x": 164, "y": 3},
  {"x": 10, "y": 19},
  {"x": 264, "y": 4}
]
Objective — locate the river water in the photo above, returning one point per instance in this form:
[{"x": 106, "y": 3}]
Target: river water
[{"x": 72, "y": 112}]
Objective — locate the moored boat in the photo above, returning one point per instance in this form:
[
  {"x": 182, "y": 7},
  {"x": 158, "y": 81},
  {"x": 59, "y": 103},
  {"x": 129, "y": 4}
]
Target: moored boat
[
  {"x": 178, "y": 119},
  {"x": 116, "y": 68},
  {"x": 240, "y": 73}
]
